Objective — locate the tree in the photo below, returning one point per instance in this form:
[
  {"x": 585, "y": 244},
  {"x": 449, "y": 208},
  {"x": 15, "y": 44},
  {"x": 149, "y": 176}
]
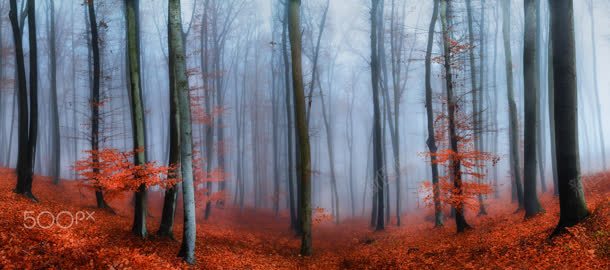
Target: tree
[
  {"x": 512, "y": 105},
  {"x": 431, "y": 142},
  {"x": 178, "y": 60},
  {"x": 378, "y": 168},
  {"x": 137, "y": 110},
  {"x": 289, "y": 119},
  {"x": 477, "y": 90},
  {"x": 95, "y": 102},
  {"x": 56, "y": 144},
  {"x": 301, "y": 129},
  {"x": 171, "y": 194},
  {"x": 28, "y": 115},
  {"x": 326, "y": 115},
  {"x": 573, "y": 208},
  {"x": 455, "y": 169},
  {"x": 551, "y": 105},
  {"x": 531, "y": 80}
]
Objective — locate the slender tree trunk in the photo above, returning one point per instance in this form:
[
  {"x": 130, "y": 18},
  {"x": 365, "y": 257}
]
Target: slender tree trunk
[
  {"x": 176, "y": 48},
  {"x": 476, "y": 112},
  {"x": 496, "y": 102},
  {"x": 137, "y": 115},
  {"x": 396, "y": 71},
  {"x": 551, "y": 104},
  {"x": 304, "y": 163},
  {"x": 94, "y": 100},
  {"x": 220, "y": 140},
  {"x": 350, "y": 147},
  {"x": 573, "y": 208},
  {"x": 56, "y": 145},
  {"x": 326, "y": 113},
  {"x": 28, "y": 127},
  {"x": 275, "y": 137},
  {"x": 481, "y": 124},
  {"x": 455, "y": 171},
  {"x": 530, "y": 75},
  {"x": 289, "y": 118},
  {"x": 314, "y": 65},
  {"x": 431, "y": 141},
  {"x": 512, "y": 105},
  {"x": 378, "y": 168},
  {"x": 540, "y": 112},
  {"x": 171, "y": 195}
]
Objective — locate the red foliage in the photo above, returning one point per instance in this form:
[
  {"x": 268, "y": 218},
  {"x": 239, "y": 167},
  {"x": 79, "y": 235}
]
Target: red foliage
[
  {"x": 473, "y": 162},
  {"x": 113, "y": 171}
]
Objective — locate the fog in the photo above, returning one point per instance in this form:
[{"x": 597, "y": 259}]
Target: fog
[{"x": 249, "y": 67}]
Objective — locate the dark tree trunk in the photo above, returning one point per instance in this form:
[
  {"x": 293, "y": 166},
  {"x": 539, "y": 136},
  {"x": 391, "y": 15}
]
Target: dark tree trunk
[
  {"x": 137, "y": 109},
  {"x": 551, "y": 104},
  {"x": 94, "y": 100},
  {"x": 530, "y": 75},
  {"x": 56, "y": 145},
  {"x": 573, "y": 208},
  {"x": 378, "y": 168},
  {"x": 171, "y": 195},
  {"x": 28, "y": 126},
  {"x": 512, "y": 107},
  {"x": 431, "y": 141},
  {"x": 304, "y": 162}
]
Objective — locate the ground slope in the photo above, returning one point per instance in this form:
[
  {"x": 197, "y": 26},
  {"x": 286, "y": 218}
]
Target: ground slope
[{"x": 256, "y": 240}]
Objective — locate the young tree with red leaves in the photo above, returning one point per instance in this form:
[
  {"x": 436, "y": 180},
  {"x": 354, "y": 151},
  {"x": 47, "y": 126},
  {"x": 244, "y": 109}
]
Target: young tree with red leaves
[{"x": 455, "y": 170}]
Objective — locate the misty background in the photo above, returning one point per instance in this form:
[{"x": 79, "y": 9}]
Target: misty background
[{"x": 250, "y": 69}]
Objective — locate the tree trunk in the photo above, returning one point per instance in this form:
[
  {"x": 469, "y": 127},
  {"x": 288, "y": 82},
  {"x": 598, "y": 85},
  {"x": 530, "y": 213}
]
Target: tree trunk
[
  {"x": 28, "y": 127},
  {"x": 431, "y": 141},
  {"x": 171, "y": 195},
  {"x": 56, "y": 145},
  {"x": 455, "y": 170},
  {"x": 530, "y": 75},
  {"x": 94, "y": 101},
  {"x": 378, "y": 168},
  {"x": 289, "y": 118},
  {"x": 304, "y": 163},
  {"x": 350, "y": 147},
  {"x": 512, "y": 106},
  {"x": 573, "y": 208},
  {"x": 540, "y": 111},
  {"x": 496, "y": 102},
  {"x": 137, "y": 115},
  {"x": 176, "y": 48},
  {"x": 326, "y": 113},
  {"x": 551, "y": 104}
]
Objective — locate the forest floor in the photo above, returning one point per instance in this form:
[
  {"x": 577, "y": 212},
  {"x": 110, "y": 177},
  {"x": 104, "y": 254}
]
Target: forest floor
[{"x": 258, "y": 240}]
